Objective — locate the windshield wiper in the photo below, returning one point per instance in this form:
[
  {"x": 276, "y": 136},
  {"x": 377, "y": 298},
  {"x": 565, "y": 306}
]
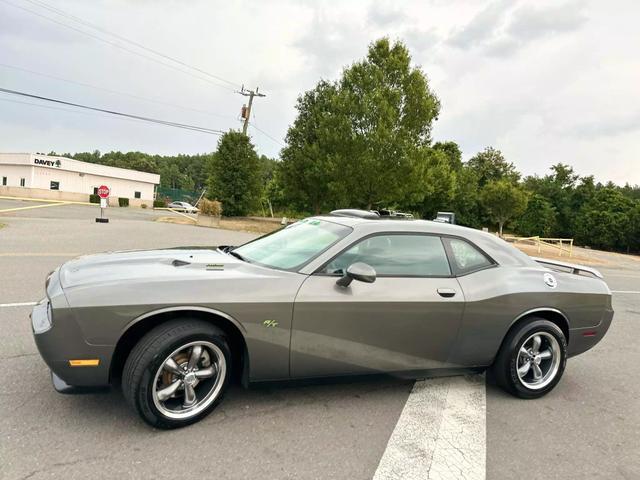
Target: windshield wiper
[{"x": 238, "y": 256}]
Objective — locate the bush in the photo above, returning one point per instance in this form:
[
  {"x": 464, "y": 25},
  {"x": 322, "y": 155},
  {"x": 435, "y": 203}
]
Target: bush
[
  {"x": 144, "y": 205},
  {"x": 94, "y": 198},
  {"x": 160, "y": 202},
  {"x": 210, "y": 207},
  {"x": 123, "y": 202}
]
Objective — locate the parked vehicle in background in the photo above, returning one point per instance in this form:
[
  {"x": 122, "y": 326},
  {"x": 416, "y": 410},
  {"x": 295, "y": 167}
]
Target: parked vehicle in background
[
  {"x": 445, "y": 217},
  {"x": 183, "y": 207},
  {"x": 348, "y": 293},
  {"x": 393, "y": 214}
]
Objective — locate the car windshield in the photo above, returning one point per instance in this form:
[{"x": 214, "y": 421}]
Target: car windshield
[{"x": 293, "y": 246}]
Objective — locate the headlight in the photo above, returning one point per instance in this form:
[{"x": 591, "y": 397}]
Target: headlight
[
  {"x": 41, "y": 317},
  {"x": 46, "y": 282}
]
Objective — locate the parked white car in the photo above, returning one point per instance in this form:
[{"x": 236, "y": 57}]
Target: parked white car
[{"x": 183, "y": 207}]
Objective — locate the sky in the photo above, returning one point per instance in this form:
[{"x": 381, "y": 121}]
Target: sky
[{"x": 542, "y": 81}]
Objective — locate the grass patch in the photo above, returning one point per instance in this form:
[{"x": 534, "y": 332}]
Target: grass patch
[{"x": 238, "y": 224}]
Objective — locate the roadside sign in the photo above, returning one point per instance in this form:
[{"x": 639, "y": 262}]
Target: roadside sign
[{"x": 103, "y": 191}]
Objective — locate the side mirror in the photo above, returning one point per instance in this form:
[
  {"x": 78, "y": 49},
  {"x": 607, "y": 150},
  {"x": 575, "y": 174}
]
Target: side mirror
[{"x": 357, "y": 271}]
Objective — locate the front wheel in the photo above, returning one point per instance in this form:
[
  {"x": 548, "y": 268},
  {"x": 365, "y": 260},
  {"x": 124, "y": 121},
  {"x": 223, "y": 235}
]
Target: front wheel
[
  {"x": 177, "y": 373},
  {"x": 532, "y": 359}
]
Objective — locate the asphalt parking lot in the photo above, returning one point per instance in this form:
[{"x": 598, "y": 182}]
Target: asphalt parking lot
[{"x": 588, "y": 427}]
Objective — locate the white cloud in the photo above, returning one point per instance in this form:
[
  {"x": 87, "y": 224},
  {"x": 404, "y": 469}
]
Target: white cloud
[{"x": 545, "y": 82}]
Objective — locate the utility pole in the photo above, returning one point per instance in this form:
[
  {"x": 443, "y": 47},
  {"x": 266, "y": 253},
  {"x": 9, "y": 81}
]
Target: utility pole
[{"x": 246, "y": 112}]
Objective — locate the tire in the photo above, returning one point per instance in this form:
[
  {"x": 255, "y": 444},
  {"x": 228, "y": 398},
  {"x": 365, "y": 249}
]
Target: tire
[
  {"x": 509, "y": 369},
  {"x": 197, "y": 378}
]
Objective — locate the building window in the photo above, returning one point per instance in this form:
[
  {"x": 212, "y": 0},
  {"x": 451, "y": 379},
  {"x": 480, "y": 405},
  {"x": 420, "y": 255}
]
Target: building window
[
  {"x": 22, "y": 182},
  {"x": 137, "y": 194},
  {"x": 4, "y": 180},
  {"x": 55, "y": 186},
  {"x": 95, "y": 190}
]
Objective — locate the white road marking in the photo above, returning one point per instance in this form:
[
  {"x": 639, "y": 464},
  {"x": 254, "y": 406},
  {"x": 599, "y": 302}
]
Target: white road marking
[
  {"x": 23, "y": 304},
  {"x": 441, "y": 433},
  {"x": 624, "y": 291}
]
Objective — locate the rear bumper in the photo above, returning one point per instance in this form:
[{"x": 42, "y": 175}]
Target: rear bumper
[{"x": 583, "y": 339}]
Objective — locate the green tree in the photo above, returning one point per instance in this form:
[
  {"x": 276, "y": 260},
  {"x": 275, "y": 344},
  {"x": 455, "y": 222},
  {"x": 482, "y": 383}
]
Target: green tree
[
  {"x": 632, "y": 228},
  {"x": 389, "y": 110},
  {"x": 490, "y": 165},
  {"x": 559, "y": 189},
  {"x": 538, "y": 219},
  {"x": 305, "y": 171},
  {"x": 453, "y": 153},
  {"x": 356, "y": 142},
  {"x": 603, "y": 221},
  {"x": 235, "y": 175},
  {"x": 437, "y": 184},
  {"x": 503, "y": 201},
  {"x": 466, "y": 198}
]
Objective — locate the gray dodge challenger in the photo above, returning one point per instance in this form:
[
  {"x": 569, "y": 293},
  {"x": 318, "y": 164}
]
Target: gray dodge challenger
[{"x": 349, "y": 293}]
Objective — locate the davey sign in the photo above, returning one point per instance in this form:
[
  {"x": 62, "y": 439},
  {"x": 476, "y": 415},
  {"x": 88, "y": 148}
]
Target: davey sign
[{"x": 47, "y": 163}]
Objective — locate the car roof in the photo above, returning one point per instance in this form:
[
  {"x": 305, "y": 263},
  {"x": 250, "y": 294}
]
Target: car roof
[{"x": 501, "y": 251}]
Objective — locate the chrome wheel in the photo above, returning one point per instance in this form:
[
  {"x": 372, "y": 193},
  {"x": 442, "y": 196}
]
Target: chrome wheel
[
  {"x": 189, "y": 380},
  {"x": 538, "y": 360}
]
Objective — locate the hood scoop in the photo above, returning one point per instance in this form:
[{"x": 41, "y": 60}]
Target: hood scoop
[{"x": 179, "y": 263}]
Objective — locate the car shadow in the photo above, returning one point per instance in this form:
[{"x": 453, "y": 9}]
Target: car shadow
[{"x": 108, "y": 409}]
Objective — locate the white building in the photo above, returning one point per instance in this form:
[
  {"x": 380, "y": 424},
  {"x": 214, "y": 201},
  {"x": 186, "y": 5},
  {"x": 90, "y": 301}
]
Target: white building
[{"x": 60, "y": 178}]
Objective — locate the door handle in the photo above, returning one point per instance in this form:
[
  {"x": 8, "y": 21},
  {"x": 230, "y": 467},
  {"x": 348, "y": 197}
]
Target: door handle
[{"x": 446, "y": 292}]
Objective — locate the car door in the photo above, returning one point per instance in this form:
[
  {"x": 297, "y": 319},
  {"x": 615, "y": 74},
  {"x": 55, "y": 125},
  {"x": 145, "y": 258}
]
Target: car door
[{"x": 407, "y": 320}]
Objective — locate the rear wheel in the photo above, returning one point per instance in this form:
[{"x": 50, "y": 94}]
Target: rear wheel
[
  {"x": 177, "y": 373},
  {"x": 532, "y": 359}
]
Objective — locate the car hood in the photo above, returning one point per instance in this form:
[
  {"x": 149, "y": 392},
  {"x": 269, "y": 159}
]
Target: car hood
[{"x": 152, "y": 265}]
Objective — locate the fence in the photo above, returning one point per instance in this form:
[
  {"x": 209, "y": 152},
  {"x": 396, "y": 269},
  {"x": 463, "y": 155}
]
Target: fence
[
  {"x": 563, "y": 245},
  {"x": 178, "y": 194}
]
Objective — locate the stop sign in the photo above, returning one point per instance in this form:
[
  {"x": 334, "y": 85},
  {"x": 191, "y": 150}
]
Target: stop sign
[{"x": 103, "y": 191}]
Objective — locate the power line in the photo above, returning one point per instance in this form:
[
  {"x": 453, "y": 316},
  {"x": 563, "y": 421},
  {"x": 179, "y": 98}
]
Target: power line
[
  {"x": 117, "y": 45},
  {"x": 45, "y": 106},
  {"x": 267, "y": 135},
  {"x": 77, "y": 112},
  {"x": 151, "y": 100},
  {"x": 113, "y": 112},
  {"x": 75, "y": 18}
]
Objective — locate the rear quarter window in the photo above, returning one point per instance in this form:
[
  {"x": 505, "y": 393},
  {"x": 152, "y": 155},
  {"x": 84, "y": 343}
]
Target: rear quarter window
[{"x": 465, "y": 257}]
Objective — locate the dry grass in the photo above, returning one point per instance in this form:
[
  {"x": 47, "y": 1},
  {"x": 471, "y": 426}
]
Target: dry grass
[
  {"x": 178, "y": 220},
  {"x": 239, "y": 224},
  {"x": 580, "y": 255},
  {"x": 248, "y": 225}
]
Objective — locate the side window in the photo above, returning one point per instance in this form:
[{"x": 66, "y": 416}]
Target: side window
[
  {"x": 136, "y": 194},
  {"x": 396, "y": 256},
  {"x": 466, "y": 257}
]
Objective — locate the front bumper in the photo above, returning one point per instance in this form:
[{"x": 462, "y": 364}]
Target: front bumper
[
  {"x": 64, "y": 342},
  {"x": 61, "y": 386}
]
